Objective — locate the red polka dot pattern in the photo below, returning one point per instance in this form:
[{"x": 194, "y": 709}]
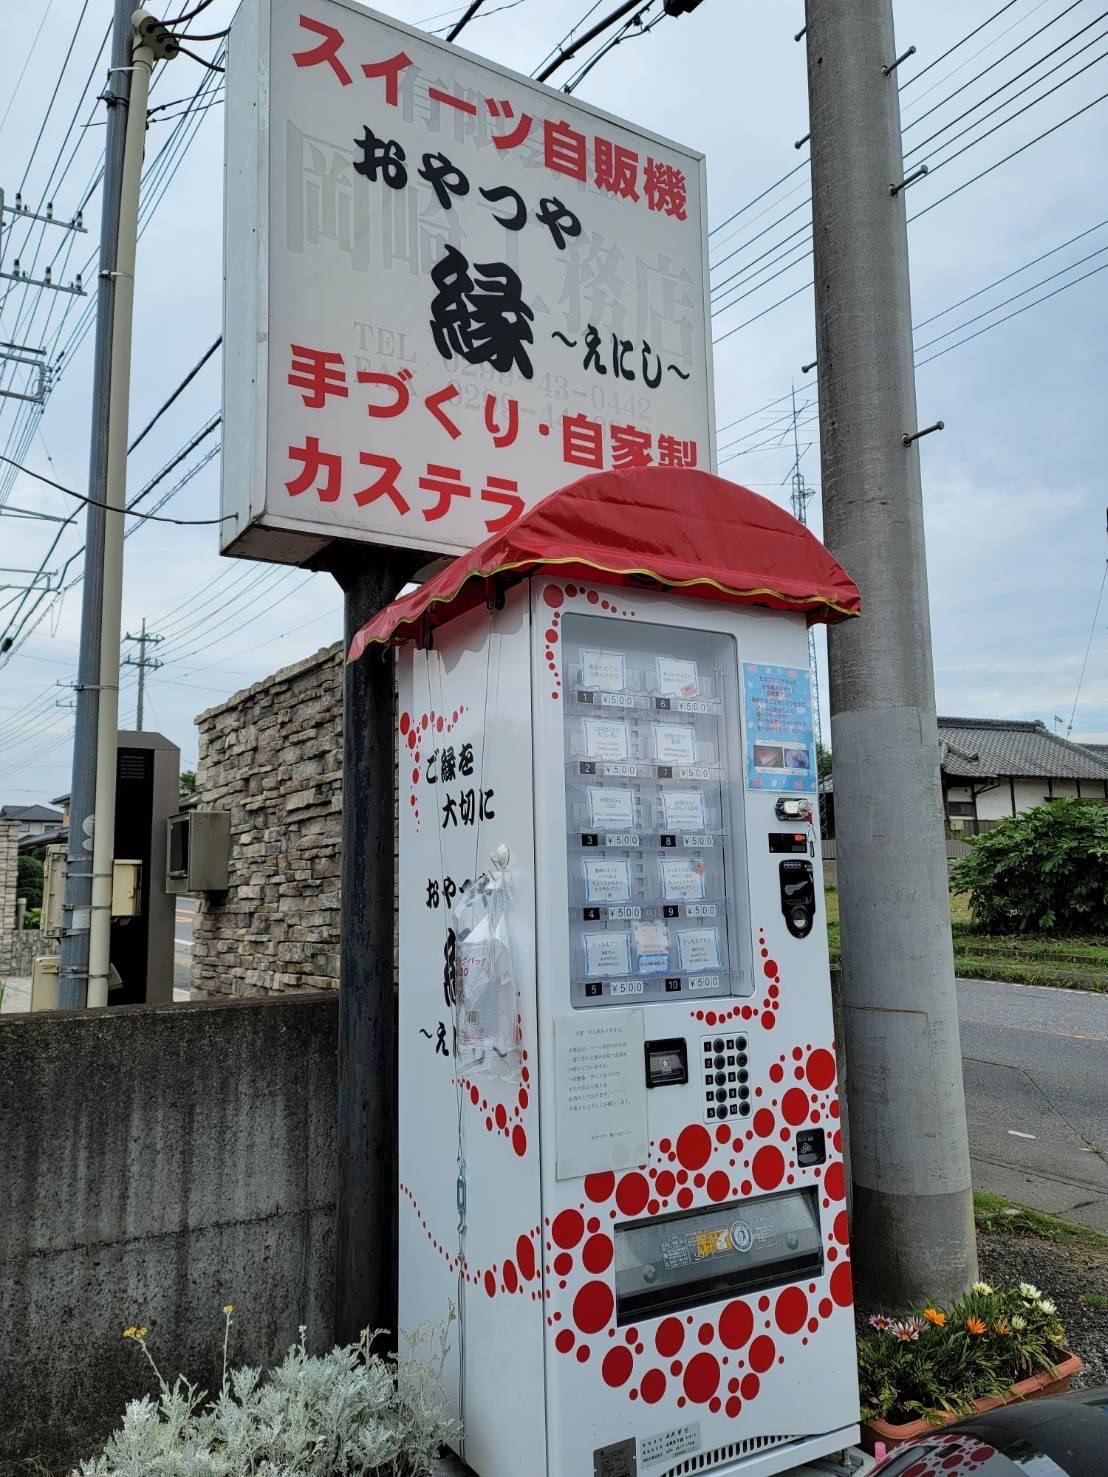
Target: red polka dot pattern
[{"x": 412, "y": 727}]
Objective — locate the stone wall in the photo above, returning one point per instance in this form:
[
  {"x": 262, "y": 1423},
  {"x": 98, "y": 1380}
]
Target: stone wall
[
  {"x": 159, "y": 1162},
  {"x": 9, "y": 864},
  {"x": 272, "y": 756},
  {"x": 25, "y": 947}
]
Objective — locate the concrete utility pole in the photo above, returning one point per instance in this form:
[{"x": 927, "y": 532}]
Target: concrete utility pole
[
  {"x": 73, "y": 961},
  {"x": 142, "y": 662},
  {"x": 913, "y": 1211},
  {"x": 137, "y": 39}
]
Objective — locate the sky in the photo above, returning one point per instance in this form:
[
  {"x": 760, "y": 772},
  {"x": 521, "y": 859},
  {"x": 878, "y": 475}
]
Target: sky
[{"x": 1014, "y": 487}]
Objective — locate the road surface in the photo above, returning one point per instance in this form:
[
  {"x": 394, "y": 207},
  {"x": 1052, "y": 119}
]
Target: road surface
[
  {"x": 1035, "y": 1063},
  {"x": 182, "y": 946}
]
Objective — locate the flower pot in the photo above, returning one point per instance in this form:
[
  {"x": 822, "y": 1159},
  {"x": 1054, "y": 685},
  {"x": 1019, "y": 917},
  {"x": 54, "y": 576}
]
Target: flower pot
[{"x": 1045, "y": 1383}]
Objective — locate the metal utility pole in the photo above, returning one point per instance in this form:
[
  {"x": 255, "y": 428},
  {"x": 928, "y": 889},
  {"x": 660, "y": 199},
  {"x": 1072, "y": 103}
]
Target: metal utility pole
[
  {"x": 913, "y": 1213},
  {"x": 142, "y": 662},
  {"x": 366, "y": 1210},
  {"x": 84, "y": 966},
  {"x": 73, "y": 961}
]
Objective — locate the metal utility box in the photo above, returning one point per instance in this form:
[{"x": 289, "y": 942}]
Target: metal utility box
[
  {"x": 53, "y": 890},
  {"x": 148, "y": 768},
  {"x": 197, "y": 851},
  {"x": 44, "y": 982}
]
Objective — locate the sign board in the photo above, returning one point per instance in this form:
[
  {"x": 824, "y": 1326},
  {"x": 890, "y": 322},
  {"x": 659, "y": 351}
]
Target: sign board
[
  {"x": 449, "y": 290},
  {"x": 777, "y": 717}
]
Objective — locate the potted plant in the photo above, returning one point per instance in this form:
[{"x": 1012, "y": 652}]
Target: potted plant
[{"x": 988, "y": 1348}]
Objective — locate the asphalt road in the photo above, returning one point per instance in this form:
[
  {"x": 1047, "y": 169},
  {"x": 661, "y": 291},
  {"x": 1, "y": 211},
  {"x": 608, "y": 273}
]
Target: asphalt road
[
  {"x": 182, "y": 946},
  {"x": 1035, "y": 1063}
]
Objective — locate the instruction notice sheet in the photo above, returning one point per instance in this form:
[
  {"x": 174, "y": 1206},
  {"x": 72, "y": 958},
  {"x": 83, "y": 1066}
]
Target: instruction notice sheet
[{"x": 600, "y": 1092}]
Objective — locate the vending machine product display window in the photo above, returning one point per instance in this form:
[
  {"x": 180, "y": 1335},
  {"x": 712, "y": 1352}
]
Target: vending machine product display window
[{"x": 654, "y": 810}]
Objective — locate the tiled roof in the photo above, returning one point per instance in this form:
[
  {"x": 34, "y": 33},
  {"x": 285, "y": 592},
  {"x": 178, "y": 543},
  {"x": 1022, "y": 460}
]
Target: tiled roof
[
  {"x": 986, "y": 748},
  {"x": 29, "y": 813}
]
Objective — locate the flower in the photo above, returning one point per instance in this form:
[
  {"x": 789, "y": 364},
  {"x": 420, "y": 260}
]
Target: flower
[
  {"x": 983, "y": 1288},
  {"x": 975, "y": 1325},
  {"x": 129, "y": 1333},
  {"x": 1046, "y": 1306},
  {"x": 880, "y": 1321},
  {"x": 908, "y": 1329},
  {"x": 1019, "y": 1323},
  {"x": 934, "y": 1316},
  {"x": 228, "y": 1308},
  {"x": 1001, "y": 1327},
  {"x": 140, "y": 1333},
  {"x": 1029, "y": 1291}
]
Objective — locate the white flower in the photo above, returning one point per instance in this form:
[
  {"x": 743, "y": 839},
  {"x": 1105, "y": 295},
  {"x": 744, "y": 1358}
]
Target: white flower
[
  {"x": 1029, "y": 1291},
  {"x": 1018, "y": 1322},
  {"x": 982, "y": 1287},
  {"x": 1046, "y": 1306}
]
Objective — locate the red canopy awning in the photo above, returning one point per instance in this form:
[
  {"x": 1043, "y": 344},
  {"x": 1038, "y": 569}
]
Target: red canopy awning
[{"x": 673, "y": 528}]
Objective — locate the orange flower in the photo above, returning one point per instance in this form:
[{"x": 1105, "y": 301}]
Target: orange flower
[
  {"x": 934, "y": 1316},
  {"x": 975, "y": 1325}
]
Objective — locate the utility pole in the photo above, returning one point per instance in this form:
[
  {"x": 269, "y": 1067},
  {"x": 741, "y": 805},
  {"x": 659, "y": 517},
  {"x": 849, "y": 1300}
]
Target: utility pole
[
  {"x": 366, "y": 1198},
  {"x": 913, "y": 1212},
  {"x": 142, "y": 662},
  {"x": 83, "y": 965},
  {"x": 73, "y": 960}
]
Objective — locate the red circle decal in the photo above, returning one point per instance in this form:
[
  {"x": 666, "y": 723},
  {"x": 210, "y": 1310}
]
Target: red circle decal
[
  {"x": 593, "y": 1306},
  {"x": 794, "y": 1106},
  {"x": 694, "y": 1146},
  {"x": 768, "y": 1167},
  {"x": 701, "y": 1377},
  {"x": 670, "y": 1337},
  {"x": 617, "y": 1366},
  {"x": 568, "y": 1228},
  {"x": 762, "y": 1354},
  {"x": 736, "y": 1324},
  {"x": 821, "y": 1069},
  {"x": 632, "y": 1193},
  {"x": 791, "y": 1310},
  {"x": 597, "y": 1254},
  {"x": 842, "y": 1289},
  {"x": 598, "y": 1187}
]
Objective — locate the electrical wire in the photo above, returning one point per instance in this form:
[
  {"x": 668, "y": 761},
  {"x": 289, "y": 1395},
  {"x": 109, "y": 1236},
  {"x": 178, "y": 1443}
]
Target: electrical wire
[
  {"x": 915, "y": 77},
  {"x": 196, "y": 57},
  {"x": 1088, "y": 648},
  {"x": 26, "y": 63},
  {"x": 1019, "y": 75},
  {"x": 95, "y": 503},
  {"x": 465, "y": 20}
]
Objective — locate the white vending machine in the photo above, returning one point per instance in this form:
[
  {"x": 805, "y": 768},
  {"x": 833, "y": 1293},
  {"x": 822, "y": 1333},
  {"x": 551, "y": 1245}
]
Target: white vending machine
[{"x": 620, "y": 1152}]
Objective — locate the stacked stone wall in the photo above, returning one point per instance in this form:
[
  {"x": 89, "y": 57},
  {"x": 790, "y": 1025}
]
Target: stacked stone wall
[
  {"x": 9, "y": 867},
  {"x": 272, "y": 756}
]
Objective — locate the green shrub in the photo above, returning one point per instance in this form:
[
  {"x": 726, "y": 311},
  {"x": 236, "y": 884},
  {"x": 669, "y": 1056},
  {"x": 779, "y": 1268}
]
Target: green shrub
[
  {"x": 32, "y": 918},
  {"x": 28, "y": 880},
  {"x": 345, "y": 1412},
  {"x": 1043, "y": 870},
  {"x": 939, "y": 1361}
]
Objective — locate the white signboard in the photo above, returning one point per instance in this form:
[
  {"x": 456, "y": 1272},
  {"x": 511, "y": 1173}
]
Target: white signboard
[
  {"x": 449, "y": 290},
  {"x": 600, "y": 1092}
]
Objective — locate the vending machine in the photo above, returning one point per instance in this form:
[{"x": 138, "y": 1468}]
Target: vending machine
[{"x": 621, "y": 1169}]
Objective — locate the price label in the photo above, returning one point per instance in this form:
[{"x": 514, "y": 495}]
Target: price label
[
  {"x": 617, "y": 700},
  {"x": 622, "y": 838},
  {"x": 625, "y": 987},
  {"x": 698, "y": 841},
  {"x": 694, "y": 705},
  {"x": 700, "y": 910},
  {"x": 622, "y": 913},
  {"x": 703, "y": 982}
]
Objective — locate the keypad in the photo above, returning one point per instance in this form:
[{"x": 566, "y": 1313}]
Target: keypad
[{"x": 726, "y": 1080}]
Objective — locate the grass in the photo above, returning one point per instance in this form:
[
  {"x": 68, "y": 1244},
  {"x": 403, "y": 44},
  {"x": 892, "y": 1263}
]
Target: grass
[
  {"x": 1000, "y": 1216},
  {"x": 1022, "y": 959}
]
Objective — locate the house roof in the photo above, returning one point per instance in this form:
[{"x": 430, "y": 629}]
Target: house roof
[
  {"x": 986, "y": 748},
  {"x": 29, "y": 813},
  {"x": 1100, "y": 750}
]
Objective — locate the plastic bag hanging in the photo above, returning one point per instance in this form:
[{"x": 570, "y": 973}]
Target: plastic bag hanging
[{"x": 485, "y": 1007}]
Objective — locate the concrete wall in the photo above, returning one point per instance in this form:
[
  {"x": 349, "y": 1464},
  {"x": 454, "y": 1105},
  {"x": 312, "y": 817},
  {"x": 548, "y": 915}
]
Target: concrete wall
[
  {"x": 272, "y": 756},
  {"x": 9, "y": 863},
  {"x": 157, "y": 1163}
]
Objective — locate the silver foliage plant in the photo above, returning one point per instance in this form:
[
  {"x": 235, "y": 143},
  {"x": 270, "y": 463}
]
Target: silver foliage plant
[{"x": 347, "y": 1412}]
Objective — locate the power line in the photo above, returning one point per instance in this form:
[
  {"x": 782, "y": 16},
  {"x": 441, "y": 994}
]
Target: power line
[
  {"x": 188, "y": 379},
  {"x": 93, "y": 502},
  {"x": 915, "y": 77},
  {"x": 1088, "y": 648},
  {"x": 457, "y": 29}
]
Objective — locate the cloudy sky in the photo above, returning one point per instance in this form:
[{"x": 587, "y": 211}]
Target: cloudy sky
[{"x": 1014, "y": 488}]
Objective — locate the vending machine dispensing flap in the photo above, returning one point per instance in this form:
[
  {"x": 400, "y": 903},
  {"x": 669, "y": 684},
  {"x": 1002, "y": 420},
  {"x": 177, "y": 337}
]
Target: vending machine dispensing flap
[{"x": 721, "y": 1251}]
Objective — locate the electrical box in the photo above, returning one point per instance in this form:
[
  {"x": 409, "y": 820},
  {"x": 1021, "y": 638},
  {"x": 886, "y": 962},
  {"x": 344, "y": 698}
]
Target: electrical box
[
  {"x": 126, "y": 888},
  {"x": 198, "y": 849},
  {"x": 633, "y": 1196},
  {"x": 44, "y": 981},
  {"x": 53, "y": 890}
]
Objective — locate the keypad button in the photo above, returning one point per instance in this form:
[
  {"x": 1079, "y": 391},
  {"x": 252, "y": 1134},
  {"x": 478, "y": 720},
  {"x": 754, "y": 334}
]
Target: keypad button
[
  {"x": 741, "y": 1058},
  {"x": 744, "y": 1109},
  {"x": 719, "y": 1060},
  {"x": 718, "y": 1043},
  {"x": 742, "y": 1076},
  {"x": 721, "y": 1094},
  {"x": 744, "y": 1092}
]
